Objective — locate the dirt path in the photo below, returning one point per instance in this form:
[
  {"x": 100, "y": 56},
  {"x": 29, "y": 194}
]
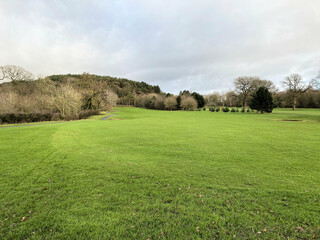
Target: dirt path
[{"x": 105, "y": 118}]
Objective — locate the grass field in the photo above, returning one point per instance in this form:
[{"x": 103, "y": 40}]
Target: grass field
[{"x": 163, "y": 175}]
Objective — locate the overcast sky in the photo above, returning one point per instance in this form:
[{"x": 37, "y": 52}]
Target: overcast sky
[{"x": 199, "y": 45}]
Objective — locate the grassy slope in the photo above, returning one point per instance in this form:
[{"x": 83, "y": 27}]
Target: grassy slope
[{"x": 158, "y": 174}]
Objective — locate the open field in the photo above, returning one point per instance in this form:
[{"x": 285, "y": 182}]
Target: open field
[{"x": 163, "y": 175}]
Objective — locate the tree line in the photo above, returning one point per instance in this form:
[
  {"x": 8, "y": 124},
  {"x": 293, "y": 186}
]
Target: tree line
[
  {"x": 297, "y": 93},
  {"x": 74, "y": 96}
]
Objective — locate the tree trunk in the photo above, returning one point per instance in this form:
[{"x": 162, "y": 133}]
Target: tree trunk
[
  {"x": 244, "y": 105},
  {"x": 294, "y": 103}
]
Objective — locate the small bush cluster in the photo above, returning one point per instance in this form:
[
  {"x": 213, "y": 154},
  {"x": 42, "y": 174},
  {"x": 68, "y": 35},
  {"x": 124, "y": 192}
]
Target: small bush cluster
[{"x": 225, "y": 109}]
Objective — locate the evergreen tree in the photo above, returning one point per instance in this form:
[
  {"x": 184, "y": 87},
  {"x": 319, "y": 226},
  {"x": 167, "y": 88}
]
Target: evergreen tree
[
  {"x": 179, "y": 102},
  {"x": 262, "y": 100},
  {"x": 199, "y": 98}
]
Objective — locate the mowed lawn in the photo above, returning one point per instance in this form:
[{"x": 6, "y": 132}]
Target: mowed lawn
[{"x": 163, "y": 175}]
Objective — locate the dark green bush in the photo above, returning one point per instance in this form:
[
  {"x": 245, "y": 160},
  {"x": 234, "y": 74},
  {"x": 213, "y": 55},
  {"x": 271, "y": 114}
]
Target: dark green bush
[
  {"x": 226, "y": 109},
  {"x": 212, "y": 109},
  {"x": 204, "y": 109},
  {"x": 217, "y": 109},
  {"x": 41, "y": 117},
  {"x": 248, "y": 110},
  {"x": 233, "y": 110}
]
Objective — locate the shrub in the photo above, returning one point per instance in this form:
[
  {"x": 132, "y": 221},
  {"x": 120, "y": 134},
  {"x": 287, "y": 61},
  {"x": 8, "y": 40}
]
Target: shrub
[
  {"x": 237, "y": 110},
  {"x": 233, "y": 110},
  {"x": 242, "y": 110},
  {"x": 25, "y": 117},
  {"x": 87, "y": 113},
  {"x": 248, "y": 110},
  {"x": 204, "y": 109},
  {"x": 217, "y": 109},
  {"x": 226, "y": 109},
  {"x": 188, "y": 103},
  {"x": 41, "y": 117},
  {"x": 171, "y": 103},
  {"x": 212, "y": 109}
]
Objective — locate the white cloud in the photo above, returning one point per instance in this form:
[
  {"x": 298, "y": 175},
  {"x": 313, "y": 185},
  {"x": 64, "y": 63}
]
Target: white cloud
[{"x": 199, "y": 45}]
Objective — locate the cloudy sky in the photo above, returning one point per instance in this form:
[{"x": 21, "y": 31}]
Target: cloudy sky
[{"x": 199, "y": 45}]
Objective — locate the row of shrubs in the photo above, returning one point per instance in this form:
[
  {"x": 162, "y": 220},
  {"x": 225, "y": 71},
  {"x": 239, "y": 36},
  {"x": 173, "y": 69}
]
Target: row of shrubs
[
  {"x": 226, "y": 109},
  {"x": 41, "y": 117}
]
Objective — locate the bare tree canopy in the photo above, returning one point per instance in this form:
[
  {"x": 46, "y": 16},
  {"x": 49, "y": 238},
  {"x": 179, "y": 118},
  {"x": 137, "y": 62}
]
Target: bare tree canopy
[
  {"x": 316, "y": 82},
  {"x": 14, "y": 73},
  {"x": 244, "y": 87},
  {"x": 295, "y": 86}
]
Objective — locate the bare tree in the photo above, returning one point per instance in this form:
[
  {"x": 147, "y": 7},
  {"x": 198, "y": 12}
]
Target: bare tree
[
  {"x": 188, "y": 103},
  {"x": 316, "y": 82},
  {"x": 14, "y": 73},
  {"x": 295, "y": 86},
  {"x": 257, "y": 83},
  {"x": 244, "y": 87},
  {"x": 66, "y": 100},
  {"x": 170, "y": 103}
]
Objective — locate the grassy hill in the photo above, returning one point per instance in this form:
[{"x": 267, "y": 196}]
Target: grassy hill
[{"x": 163, "y": 175}]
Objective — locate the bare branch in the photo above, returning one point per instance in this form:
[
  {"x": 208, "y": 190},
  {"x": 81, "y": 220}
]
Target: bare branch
[{"x": 15, "y": 73}]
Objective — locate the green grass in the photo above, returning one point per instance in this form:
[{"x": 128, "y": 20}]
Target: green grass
[{"x": 163, "y": 175}]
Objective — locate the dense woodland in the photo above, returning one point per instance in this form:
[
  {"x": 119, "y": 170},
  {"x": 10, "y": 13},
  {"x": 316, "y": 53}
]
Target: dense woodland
[{"x": 76, "y": 96}]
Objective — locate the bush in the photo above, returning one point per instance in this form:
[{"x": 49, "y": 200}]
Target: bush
[
  {"x": 233, "y": 110},
  {"x": 242, "y": 110},
  {"x": 188, "y": 103},
  {"x": 217, "y": 109},
  {"x": 26, "y": 117},
  {"x": 42, "y": 117},
  {"x": 204, "y": 109},
  {"x": 170, "y": 103},
  {"x": 237, "y": 110},
  {"x": 88, "y": 113},
  {"x": 226, "y": 109},
  {"x": 212, "y": 109},
  {"x": 248, "y": 110}
]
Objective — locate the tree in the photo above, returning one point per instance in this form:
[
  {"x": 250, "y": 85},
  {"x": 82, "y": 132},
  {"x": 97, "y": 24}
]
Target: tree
[
  {"x": 66, "y": 100},
  {"x": 212, "y": 99},
  {"x": 295, "y": 86},
  {"x": 95, "y": 94},
  {"x": 199, "y": 98},
  {"x": 188, "y": 103},
  {"x": 156, "y": 89},
  {"x": 257, "y": 83},
  {"x": 262, "y": 100},
  {"x": 170, "y": 103},
  {"x": 244, "y": 87},
  {"x": 14, "y": 73},
  {"x": 316, "y": 82},
  {"x": 178, "y": 102}
]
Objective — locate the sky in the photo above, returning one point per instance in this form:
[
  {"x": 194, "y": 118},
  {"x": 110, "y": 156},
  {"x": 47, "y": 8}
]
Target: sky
[{"x": 197, "y": 45}]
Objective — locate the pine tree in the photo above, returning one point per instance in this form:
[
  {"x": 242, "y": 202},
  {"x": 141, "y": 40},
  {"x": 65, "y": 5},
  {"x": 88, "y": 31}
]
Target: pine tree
[{"x": 262, "y": 100}]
